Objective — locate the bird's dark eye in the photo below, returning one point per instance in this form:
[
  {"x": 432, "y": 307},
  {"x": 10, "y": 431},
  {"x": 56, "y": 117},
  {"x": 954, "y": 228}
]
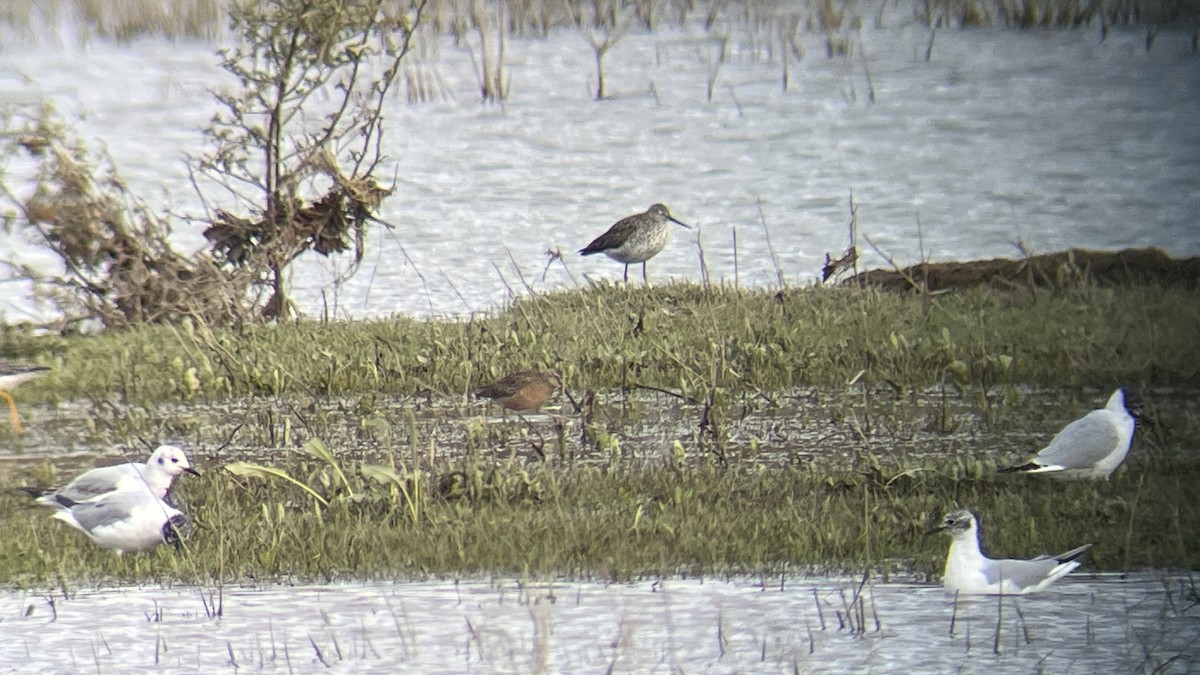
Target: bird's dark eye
[{"x": 174, "y": 460}]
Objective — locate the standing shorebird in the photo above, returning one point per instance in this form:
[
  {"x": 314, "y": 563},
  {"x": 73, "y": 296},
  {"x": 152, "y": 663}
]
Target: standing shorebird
[
  {"x": 970, "y": 572},
  {"x": 11, "y": 375},
  {"x": 1091, "y": 447},
  {"x": 635, "y": 239},
  {"x": 526, "y": 391}
]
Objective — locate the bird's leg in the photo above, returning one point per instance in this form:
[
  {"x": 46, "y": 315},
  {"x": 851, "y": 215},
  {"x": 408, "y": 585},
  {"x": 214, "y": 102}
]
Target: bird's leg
[
  {"x": 645, "y": 279},
  {"x": 12, "y": 411},
  {"x": 540, "y": 445},
  {"x": 626, "y": 278}
]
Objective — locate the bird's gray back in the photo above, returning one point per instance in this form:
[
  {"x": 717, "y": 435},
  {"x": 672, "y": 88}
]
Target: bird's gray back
[
  {"x": 99, "y": 481},
  {"x": 1083, "y": 442},
  {"x": 115, "y": 507},
  {"x": 1022, "y": 573}
]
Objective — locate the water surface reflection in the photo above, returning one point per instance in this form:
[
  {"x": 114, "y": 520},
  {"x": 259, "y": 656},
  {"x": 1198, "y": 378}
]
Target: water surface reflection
[{"x": 1105, "y": 623}]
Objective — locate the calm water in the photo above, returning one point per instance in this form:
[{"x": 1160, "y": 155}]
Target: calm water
[
  {"x": 1052, "y": 138},
  {"x": 1081, "y": 625}
]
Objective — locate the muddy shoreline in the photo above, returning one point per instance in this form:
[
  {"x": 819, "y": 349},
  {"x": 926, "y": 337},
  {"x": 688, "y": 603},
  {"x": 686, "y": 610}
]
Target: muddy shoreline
[{"x": 1050, "y": 270}]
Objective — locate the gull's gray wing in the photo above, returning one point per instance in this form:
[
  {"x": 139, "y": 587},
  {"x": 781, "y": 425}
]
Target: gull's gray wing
[
  {"x": 1082, "y": 443},
  {"x": 99, "y": 481},
  {"x": 1030, "y": 573},
  {"x": 1023, "y": 573},
  {"x": 110, "y": 509}
]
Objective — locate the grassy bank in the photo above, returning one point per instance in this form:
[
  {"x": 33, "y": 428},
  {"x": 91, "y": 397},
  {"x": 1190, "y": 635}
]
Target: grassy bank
[
  {"x": 680, "y": 337},
  {"x": 381, "y": 491}
]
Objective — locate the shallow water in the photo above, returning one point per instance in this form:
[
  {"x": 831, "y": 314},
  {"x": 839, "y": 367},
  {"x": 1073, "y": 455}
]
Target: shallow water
[
  {"x": 1081, "y": 625},
  {"x": 1053, "y": 138}
]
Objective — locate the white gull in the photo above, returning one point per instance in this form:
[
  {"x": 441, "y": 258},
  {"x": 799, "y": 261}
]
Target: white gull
[
  {"x": 970, "y": 572},
  {"x": 1091, "y": 447}
]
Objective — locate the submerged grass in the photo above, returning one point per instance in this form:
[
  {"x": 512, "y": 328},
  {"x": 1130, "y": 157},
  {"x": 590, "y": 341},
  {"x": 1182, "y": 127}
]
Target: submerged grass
[{"x": 176, "y": 19}]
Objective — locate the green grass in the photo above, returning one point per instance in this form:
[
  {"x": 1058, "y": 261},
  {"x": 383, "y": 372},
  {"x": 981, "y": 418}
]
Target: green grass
[
  {"x": 618, "y": 520},
  {"x": 413, "y": 483},
  {"x": 679, "y": 337}
]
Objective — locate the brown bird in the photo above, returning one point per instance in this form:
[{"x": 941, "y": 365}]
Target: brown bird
[{"x": 525, "y": 391}]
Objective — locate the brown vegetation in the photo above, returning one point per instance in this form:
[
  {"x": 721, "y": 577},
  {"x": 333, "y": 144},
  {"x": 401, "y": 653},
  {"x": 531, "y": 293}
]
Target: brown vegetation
[
  {"x": 1128, "y": 266},
  {"x": 118, "y": 265},
  {"x": 293, "y": 189}
]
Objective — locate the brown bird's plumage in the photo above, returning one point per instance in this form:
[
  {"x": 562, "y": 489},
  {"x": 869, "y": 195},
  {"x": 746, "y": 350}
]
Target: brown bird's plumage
[{"x": 524, "y": 391}]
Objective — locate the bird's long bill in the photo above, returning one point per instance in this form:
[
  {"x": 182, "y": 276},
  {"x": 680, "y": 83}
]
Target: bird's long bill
[
  {"x": 192, "y": 471},
  {"x": 679, "y": 222},
  {"x": 940, "y": 528}
]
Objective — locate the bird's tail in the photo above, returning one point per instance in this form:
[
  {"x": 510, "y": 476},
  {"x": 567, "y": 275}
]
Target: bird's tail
[
  {"x": 31, "y": 492},
  {"x": 1022, "y": 468},
  {"x": 1072, "y": 554},
  {"x": 45, "y": 496}
]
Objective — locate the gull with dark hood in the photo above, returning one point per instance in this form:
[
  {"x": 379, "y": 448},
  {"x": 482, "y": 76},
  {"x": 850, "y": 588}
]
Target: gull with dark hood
[{"x": 970, "y": 572}]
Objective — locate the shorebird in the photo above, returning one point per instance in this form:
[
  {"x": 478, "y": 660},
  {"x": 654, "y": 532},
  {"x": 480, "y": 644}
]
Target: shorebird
[
  {"x": 969, "y": 572},
  {"x": 126, "y": 520},
  {"x": 525, "y": 391},
  {"x": 1091, "y": 447},
  {"x": 635, "y": 239},
  {"x": 153, "y": 478},
  {"x": 11, "y": 375}
]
